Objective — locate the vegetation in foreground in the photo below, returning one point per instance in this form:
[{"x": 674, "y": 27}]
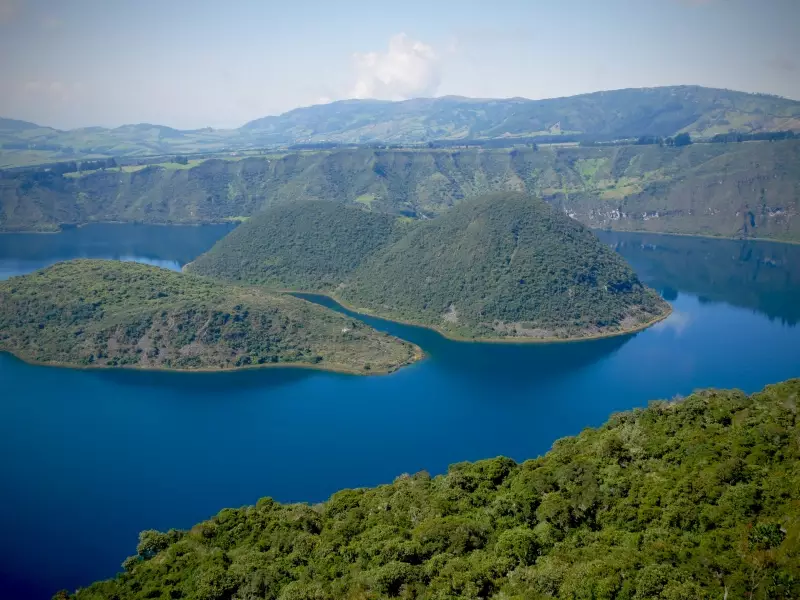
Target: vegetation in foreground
[
  {"x": 109, "y": 313},
  {"x": 686, "y": 500},
  {"x": 737, "y": 190}
]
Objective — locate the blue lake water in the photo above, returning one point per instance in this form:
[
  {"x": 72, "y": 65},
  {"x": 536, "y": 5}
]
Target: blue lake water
[{"x": 90, "y": 458}]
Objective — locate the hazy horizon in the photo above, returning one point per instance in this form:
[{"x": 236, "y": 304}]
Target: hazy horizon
[{"x": 190, "y": 65}]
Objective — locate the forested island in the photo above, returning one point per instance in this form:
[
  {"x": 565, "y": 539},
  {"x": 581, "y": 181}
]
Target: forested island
[
  {"x": 504, "y": 266},
  {"x": 94, "y": 313},
  {"x": 694, "y": 498}
]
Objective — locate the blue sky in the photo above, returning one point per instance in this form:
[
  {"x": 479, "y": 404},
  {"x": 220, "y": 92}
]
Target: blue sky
[{"x": 197, "y": 63}]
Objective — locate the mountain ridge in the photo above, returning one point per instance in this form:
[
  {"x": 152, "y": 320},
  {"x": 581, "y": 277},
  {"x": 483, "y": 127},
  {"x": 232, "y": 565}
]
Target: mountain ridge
[
  {"x": 664, "y": 110},
  {"x": 747, "y": 190}
]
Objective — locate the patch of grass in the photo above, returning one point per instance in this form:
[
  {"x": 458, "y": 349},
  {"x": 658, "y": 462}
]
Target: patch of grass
[{"x": 366, "y": 199}]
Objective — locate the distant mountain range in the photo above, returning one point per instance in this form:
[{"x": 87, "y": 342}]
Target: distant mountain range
[{"x": 665, "y": 111}]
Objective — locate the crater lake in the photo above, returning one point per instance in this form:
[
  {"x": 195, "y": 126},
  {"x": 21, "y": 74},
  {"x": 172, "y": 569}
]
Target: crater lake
[{"x": 90, "y": 458}]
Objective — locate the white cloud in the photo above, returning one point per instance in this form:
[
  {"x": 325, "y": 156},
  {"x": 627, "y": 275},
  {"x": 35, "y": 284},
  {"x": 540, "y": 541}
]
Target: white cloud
[
  {"x": 677, "y": 322},
  {"x": 408, "y": 69}
]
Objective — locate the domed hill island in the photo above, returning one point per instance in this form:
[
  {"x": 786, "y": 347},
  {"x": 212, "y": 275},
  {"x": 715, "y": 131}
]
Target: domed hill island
[
  {"x": 113, "y": 314},
  {"x": 502, "y": 267}
]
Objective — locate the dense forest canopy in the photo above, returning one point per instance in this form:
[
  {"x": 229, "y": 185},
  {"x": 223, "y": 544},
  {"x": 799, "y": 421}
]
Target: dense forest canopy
[
  {"x": 311, "y": 245},
  {"x": 736, "y": 190},
  {"x": 686, "y": 500},
  {"x": 109, "y": 313},
  {"x": 508, "y": 266}
]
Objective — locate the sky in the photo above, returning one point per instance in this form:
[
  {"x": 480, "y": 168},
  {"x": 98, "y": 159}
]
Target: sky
[{"x": 210, "y": 63}]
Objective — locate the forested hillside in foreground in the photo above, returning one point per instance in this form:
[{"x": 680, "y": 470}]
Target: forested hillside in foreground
[
  {"x": 110, "y": 314},
  {"x": 749, "y": 189},
  {"x": 685, "y": 500},
  {"x": 504, "y": 266}
]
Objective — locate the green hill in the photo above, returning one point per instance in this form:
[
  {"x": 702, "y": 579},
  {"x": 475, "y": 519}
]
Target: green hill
[
  {"x": 655, "y": 111},
  {"x": 504, "y": 266},
  {"x": 745, "y": 189},
  {"x": 108, "y": 314},
  {"x": 629, "y": 112},
  {"x": 692, "y": 499},
  {"x": 311, "y": 245}
]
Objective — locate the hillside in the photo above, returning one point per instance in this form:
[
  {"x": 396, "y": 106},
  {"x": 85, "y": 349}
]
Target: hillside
[
  {"x": 749, "y": 189},
  {"x": 628, "y": 112},
  {"x": 694, "y": 499},
  {"x": 311, "y": 245},
  {"x": 109, "y": 314},
  {"x": 504, "y": 266},
  {"x": 654, "y": 111}
]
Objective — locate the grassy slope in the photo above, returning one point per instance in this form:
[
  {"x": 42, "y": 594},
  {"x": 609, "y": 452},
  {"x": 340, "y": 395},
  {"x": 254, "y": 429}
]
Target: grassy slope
[
  {"x": 661, "y": 111},
  {"x": 747, "y": 189},
  {"x": 108, "y": 313},
  {"x": 504, "y": 266},
  {"x": 696, "y": 499},
  {"x": 312, "y": 245}
]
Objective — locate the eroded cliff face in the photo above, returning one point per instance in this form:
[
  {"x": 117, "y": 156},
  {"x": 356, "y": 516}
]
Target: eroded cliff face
[{"x": 749, "y": 189}]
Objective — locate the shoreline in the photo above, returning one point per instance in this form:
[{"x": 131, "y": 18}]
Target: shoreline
[
  {"x": 238, "y": 222},
  {"x": 417, "y": 355},
  {"x": 72, "y": 226},
  {"x": 699, "y": 235},
  {"x": 461, "y": 339}
]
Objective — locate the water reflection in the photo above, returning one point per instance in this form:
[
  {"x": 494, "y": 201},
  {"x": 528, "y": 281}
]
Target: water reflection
[
  {"x": 162, "y": 246},
  {"x": 477, "y": 361},
  {"x": 762, "y": 276}
]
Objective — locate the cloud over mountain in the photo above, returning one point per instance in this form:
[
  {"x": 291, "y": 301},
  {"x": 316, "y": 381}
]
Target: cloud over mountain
[{"x": 409, "y": 68}]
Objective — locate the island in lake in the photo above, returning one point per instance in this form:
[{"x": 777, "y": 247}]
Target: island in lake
[
  {"x": 115, "y": 314},
  {"x": 503, "y": 266}
]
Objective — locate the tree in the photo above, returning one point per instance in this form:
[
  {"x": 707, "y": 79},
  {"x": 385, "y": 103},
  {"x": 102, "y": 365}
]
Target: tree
[{"x": 682, "y": 139}]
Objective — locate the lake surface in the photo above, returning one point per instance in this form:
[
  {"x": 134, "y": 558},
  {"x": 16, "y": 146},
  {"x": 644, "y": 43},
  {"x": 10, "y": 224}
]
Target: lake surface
[
  {"x": 90, "y": 458},
  {"x": 167, "y": 247}
]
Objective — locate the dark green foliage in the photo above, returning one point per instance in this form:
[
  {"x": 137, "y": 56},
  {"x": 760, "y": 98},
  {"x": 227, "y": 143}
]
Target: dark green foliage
[
  {"x": 108, "y": 313},
  {"x": 682, "y": 139},
  {"x": 311, "y": 245},
  {"x": 747, "y": 190},
  {"x": 770, "y": 136},
  {"x": 688, "y": 500},
  {"x": 504, "y": 265}
]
